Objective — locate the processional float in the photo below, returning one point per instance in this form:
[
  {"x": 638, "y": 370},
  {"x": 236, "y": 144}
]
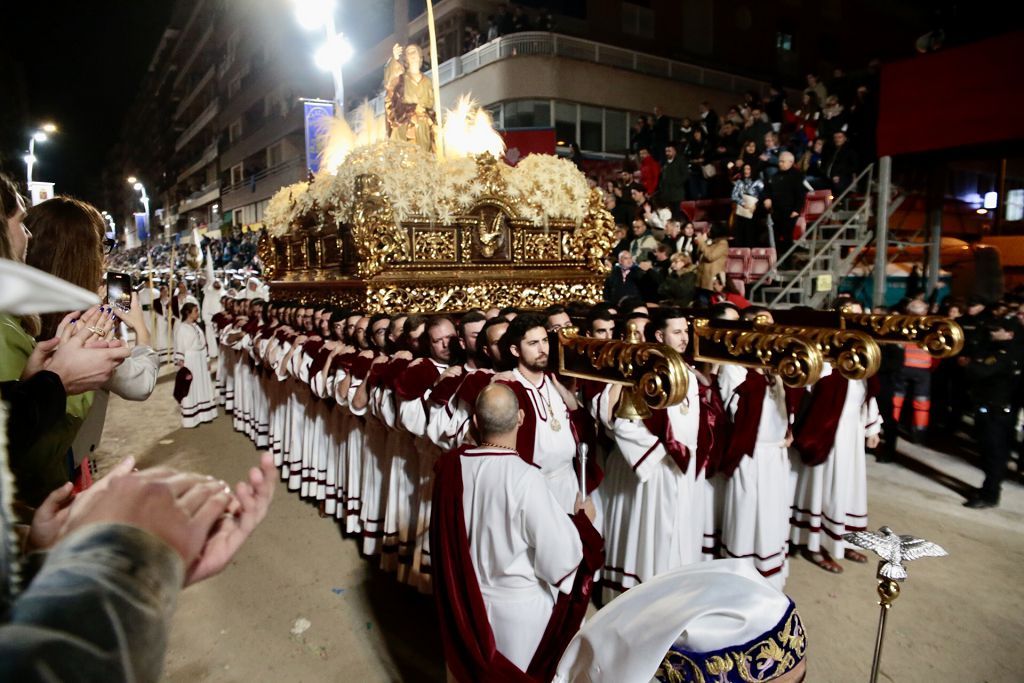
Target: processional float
[{"x": 404, "y": 225}]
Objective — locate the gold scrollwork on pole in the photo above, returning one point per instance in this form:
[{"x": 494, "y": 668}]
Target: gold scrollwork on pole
[
  {"x": 654, "y": 375},
  {"x": 852, "y": 353},
  {"x": 940, "y": 336},
  {"x": 797, "y": 361}
]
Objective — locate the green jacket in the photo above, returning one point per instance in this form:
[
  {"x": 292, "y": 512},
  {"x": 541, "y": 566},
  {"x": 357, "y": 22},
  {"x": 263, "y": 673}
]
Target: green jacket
[
  {"x": 679, "y": 287},
  {"x": 44, "y": 466}
]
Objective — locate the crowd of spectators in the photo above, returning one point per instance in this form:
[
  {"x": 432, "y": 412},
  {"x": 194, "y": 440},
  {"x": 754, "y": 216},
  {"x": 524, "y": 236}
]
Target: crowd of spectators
[
  {"x": 228, "y": 253},
  {"x": 761, "y": 158}
]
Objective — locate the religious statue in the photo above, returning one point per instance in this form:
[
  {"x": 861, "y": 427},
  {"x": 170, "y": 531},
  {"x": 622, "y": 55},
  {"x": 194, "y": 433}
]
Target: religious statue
[{"x": 409, "y": 98}]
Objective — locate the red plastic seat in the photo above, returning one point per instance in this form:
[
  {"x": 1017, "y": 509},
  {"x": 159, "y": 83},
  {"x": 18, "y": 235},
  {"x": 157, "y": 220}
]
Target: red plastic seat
[
  {"x": 737, "y": 263},
  {"x": 762, "y": 260}
]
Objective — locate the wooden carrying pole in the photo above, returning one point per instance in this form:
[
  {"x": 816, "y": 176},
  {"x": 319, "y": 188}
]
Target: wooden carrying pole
[{"x": 435, "y": 78}]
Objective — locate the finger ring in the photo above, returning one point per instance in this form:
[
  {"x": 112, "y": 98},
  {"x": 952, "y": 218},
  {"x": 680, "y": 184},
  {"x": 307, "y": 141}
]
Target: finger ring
[{"x": 97, "y": 331}]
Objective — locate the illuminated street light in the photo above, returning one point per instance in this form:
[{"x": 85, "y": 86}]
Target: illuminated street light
[
  {"x": 316, "y": 14},
  {"x": 143, "y": 197},
  {"x": 39, "y": 135},
  {"x": 332, "y": 55}
]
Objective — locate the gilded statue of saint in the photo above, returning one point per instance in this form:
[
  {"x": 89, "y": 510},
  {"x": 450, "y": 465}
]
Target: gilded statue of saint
[{"x": 409, "y": 98}]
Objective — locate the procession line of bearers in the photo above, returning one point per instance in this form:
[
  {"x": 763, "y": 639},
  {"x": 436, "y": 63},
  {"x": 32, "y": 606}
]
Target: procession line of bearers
[{"x": 363, "y": 412}]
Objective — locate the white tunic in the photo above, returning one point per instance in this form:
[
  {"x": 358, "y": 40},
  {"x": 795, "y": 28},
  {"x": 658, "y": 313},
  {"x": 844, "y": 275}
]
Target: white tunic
[
  {"x": 832, "y": 497},
  {"x": 554, "y": 446},
  {"x": 523, "y": 547},
  {"x": 758, "y": 495},
  {"x": 654, "y": 512},
  {"x": 200, "y": 405}
]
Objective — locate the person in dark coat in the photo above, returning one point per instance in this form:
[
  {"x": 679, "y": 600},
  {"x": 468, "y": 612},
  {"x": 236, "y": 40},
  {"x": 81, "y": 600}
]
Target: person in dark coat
[
  {"x": 993, "y": 375},
  {"x": 843, "y": 163},
  {"x": 784, "y": 199},
  {"x": 672, "y": 182},
  {"x": 623, "y": 281}
]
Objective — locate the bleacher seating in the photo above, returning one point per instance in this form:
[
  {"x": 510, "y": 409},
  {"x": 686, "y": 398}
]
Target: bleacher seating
[
  {"x": 707, "y": 209},
  {"x": 737, "y": 263},
  {"x": 762, "y": 260}
]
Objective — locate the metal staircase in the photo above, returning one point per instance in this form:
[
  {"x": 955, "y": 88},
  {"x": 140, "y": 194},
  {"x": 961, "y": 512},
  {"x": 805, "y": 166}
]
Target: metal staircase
[{"x": 810, "y": 271}]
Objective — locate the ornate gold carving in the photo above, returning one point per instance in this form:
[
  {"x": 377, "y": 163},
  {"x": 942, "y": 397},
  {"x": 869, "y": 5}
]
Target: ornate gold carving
[
  {"x": 488, "y": 173},
  {"x": 433, "y": 245},
  {"x": 429, "y": 298},
  {"x": 592, "y": 240},
  {"x": 378, "y": 238},
  {"x": 655, "y": 372},
  {"x": 797, "y": 361},
  {"x": 940, "y": 336},
  {"x": 540, "y": 246},
  {"x": 491, "y": 234},
  {"x": 266, "y": 252},
  {"x": 852, "y": 353}
]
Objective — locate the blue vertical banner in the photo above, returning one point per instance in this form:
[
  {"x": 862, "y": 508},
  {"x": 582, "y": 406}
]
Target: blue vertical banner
[
  {"x": 317, "y": 115},
  {"x": 142, "y": 227}
]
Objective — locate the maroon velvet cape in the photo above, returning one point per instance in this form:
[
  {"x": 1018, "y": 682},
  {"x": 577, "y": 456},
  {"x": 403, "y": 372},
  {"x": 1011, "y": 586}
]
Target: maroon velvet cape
[
  {"x": 469, "y": 648},
  {"x": 751, "y": 393},
  {"x": 815, "y": 434},
  {"x": 713, "y": 435}
]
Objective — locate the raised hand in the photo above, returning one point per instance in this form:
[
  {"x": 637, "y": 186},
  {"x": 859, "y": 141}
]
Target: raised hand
[{"x": 231, "y": 532}]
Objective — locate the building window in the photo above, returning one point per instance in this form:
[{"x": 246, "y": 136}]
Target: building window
[
  {"x": 784, "y": 41},
  {"x": 1015, "y": 205},
  {"x": 275, "y": 154},
  {"x": 565, "y": 123},
  {"x": 591, "y": 129},
  {"x": 615, "y": 138},
  {"x": 637, "y": 21},
  {"x": 237, "y": 174},
  {"x": 495, "y": 111},
  {"x": 234, "y": 85},
  {"x": 235, "y": 131},
  {"x": 527, "y": 114},
  {"x": 236, "y": 217}
]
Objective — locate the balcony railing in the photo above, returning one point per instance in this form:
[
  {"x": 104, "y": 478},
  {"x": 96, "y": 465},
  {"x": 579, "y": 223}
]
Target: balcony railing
[
  {"x": 538, "y": 43},
  {"x": 255, "y": 178},
  {"x": 208, "y": 115},
  {"x": 194, "y": 92},
  {"x": 208, "y": 157},
  {"x": 204, "y": 195}
]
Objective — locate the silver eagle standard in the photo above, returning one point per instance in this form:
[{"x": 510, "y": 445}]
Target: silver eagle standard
[{"x": 894, "y": 549}]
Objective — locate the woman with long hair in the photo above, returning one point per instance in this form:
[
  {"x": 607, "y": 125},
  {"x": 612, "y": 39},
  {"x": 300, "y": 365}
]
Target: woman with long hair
[
  {"x": 199, "y": 405},
  {"x": 43, "y": 466},
  {"x": 67, "y": 241},
  {"x": 746, "y": 194}
]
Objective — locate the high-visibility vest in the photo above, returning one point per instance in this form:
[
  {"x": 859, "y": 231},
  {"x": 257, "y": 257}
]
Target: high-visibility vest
[{"x": 916, "y": 357}]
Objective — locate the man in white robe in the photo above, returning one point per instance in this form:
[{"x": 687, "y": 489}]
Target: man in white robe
[
  {"x": 831, "y": 496},
  {"x": 549, "y": 432},
  {"x": 524, "y": 550},
  {"x": 757, "y": 494},
  {"x": 654, "y": 488}
]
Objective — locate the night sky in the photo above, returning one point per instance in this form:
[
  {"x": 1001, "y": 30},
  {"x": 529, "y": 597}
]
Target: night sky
[{"x": 78, "y": 64}]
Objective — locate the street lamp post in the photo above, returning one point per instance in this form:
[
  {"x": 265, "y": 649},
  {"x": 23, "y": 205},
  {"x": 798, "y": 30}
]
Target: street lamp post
[
  {"x": 41, "y": 135},
  {"x": 315, "y": 14},
  {"x": 143, "y": 197}
]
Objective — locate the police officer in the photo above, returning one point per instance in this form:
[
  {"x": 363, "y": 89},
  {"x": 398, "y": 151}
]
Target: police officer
[{"x": 993, "y": 373}]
